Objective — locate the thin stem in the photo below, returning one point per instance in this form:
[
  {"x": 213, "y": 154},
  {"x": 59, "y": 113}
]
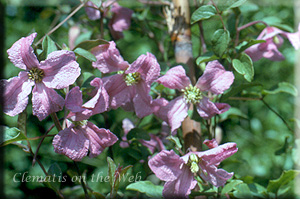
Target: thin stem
[
  {"x": 202, "y": 40},
  {"x": 101, "y": 26},
  {"x": 61, "y": 23},
  {"x": 164, "y": 3},
  {"x": 251, "y": 24},
  {"x": 81, "y": 181},
  {"x": 56, "y": 121},
  {"x": 219, "y": 13},
  {"x": 271, "y": 109},
  {"x": 244, "y": 98}
]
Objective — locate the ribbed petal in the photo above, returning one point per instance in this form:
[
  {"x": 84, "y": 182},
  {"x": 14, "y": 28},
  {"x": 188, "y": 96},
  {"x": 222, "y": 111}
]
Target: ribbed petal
[
  {"x": 175, "y": 78},
  {"x": 218, "y": 154},
  {"x": 208, "y": 109},
  {"x": 16, "y": 91},
  {"x": 215, "y": 78},
  {"x": 153, "y": 143},
  {"x": 270, "y": 51},
  {"x": 160, "y": 108},
  {"x": 92, "y": 11},
  {"x": 74, "y": 100},
  {"x": 177, "y": 112},
  {"x": 254, "y": 53},
  {"x": 121, "y": 19},
  {"x": 217, "y": 177},
  {"x": 127, "y": 125},
  {"x": 142, "y": 100},
  {"x": 211, "y": 143},
  {"x": 21, "y": 53},
  {"x": 100, "y": 102},
  {"x": 45, "y": 101},
  {"x": 99, "y": 139},
  {"x": 71, "y": 142},
  {"x": 182, "y": 186},
  {"x": 294, "y": 38},
  {"x": 147, "y": 66},
  {"x": 166, "y": 165},
  {"x": 108, "y": 58},
  {"x": 60, "y": 69}
]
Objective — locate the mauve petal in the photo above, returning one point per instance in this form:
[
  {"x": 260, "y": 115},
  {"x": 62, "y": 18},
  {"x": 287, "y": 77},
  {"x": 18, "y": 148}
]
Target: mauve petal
[
  {"x": 79, "y": 116},
  {"x": 217, "y": 177},
  {"x": 108, "y": 58},
  {"x": 218, "y": 154},
  {"x": 121, "y": 19},
  {"x": 182, "y": 186},
  {"x": 208, "y": 109},
  {"x": 60, "y": 69},
  {"x": 160, "y": 109},
  {"x": 142, "y": 100},
  {"x": 254, "y": 53},
  {"x": 15, "y": 93},
  {"x": 74, "y": 33},
  {"x": 177, "y": 112},
  {"x": 92, "y": 11},
  {"x": 45, "y": 101},
  {"x": 215, "y": 78},
  {"x": 127, "y": 125},
  {"x": 271, "y": 51},
  {"x": 153, "y": 143},
  {"x": 21, "y": 53},
  {"x": 166, "y": 165},
  {"x": 147, "y": 66},
  {"x": 294, "y": 38},
  {"x": 71, "y": 142},
  {"x": 211, "y": 143},
  {"x": 100, "y": 102},
  {"x": 175, "y": 78},
  {"x": 99, "y": 139},
  {"x": 74, "y": 100}
]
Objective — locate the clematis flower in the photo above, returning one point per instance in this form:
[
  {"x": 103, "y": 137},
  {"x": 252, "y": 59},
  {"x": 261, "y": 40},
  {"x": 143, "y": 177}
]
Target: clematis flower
[
  {"x": 82, "y": 136},
  {"x": 178, "y": 172},
  {"x": 215, "y": 79},
  {"x": 152, "y": 144},
  {"x": 131, "y": 86},
  {"x": 121, "y": 17},
  {"x": 273, "y": 38},
  {"x": 58, "y": 71}
]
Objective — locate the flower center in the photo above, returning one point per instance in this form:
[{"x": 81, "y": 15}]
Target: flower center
[
  {"x": 276, "y": 40},
  {"x": 192, "y": 94},
  {"x": 36, "y": 74},
  {"x": 80, "y": 123},
  {"x": 132, "y": 78},
  {"x": 193, "y": 162}
]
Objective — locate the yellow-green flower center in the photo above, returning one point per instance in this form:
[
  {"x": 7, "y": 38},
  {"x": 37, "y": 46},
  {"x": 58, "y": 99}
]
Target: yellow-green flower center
[
  {"x": 36, "y": 74},
  {"x": 276, "y": 40},
  {"x": 80, "y": 123},
  {"x": 193, "y": 162},
  {"x": 192, "y": 94},
  {"x": 132, "y": 78}
]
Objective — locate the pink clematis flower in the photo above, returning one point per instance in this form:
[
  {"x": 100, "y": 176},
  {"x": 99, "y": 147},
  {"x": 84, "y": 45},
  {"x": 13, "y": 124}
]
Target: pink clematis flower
[
  {"x": 121, "y": 17},
  {"x": 152, "y": 144},
  {"x": 269, "y": 49},
  {"x": 215, "y": 79},
  {"x": 131, "y": 86},
  {"x": 178, "y": 172},
  {"x": 58, "y": 71},
  {"x": 82, "y": 136}
]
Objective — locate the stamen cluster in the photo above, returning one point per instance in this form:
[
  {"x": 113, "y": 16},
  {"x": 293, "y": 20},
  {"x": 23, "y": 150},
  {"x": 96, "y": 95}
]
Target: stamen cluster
[
  {"x": 132, "y": 78},
  {"x": 192, "y": 94},
  {"x": 36, "y": 74}
]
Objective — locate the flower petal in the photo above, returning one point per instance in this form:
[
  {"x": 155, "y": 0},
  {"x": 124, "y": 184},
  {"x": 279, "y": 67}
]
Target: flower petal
[
  {"x": 294, "y": 38},
  {"x": 175, "y": 78},
  {"x": 182, "y": 186},
  {"x": 142, "y": 100},
  {"x": 92, "y": 11},
  {"x": 21, "y": 53},
  {"x": 108, "y": 58},
  {"x": 270, "y": 51},
  {"x": 99, "y": 139},
  {"x": 177, "y": 112},
  {"x": 254, "y": 52},
  {"x": 127, "y": 125},
  {"x": 211, "y": 143},
  {"x": 160, "y": 109},
  {"x": 74, "y": 100},
  {"x": 60, "y": 69},
  {"x": 166, "y": 165},
  {"x": 208, "y": 109},
  {"x": 215, "y": 78},
  {"x": 153, "y": 143},
  {"x": 45, "y": 101},
  {"x": 16, "y": 91},
  {"x": 147, "y": 66},
  {"x": 71, "y": 142}
]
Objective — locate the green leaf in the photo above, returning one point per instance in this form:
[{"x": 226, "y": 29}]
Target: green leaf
[
  {"x": 284, "y": 148},
  {"x": 119, "y": 177},
  {"x": 206, "y": 58},
  {"x": 246, "y": 44},
  {"x": 97, "y": 3},
  {"x": 233, "y": 112},
  {"x": 204, "y": 12},
  {"x": 48, "y": 46},
  {"x": 175, "y": 140},
  {"x": 242, "y": 191},
  {"x": 111, "y": 171},
  {"x": 138, "y": 133},
  {"x": 86, "y": 54},
  {"x": 230, "y": 186},
  {"x": 237, "y": 3},
  {"x": 285, "y": 177},
  {"x": 225, "y": 5},
  {"x": 12, "y": 135},
  {"x": 238, "y": 89},
  {"x": 244, "y": 66},
  {"x": 147, "y": 187},
  {"x": 53, "y": 181},
  {"x": 220, "y": 41},
  {"x": 89, "y": 44},
  {"x": 283, "y": 87}
]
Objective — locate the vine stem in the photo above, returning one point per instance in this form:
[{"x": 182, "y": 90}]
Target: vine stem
[
  {"x": 81, "y": 181},
  {"x": 219, "y": 13},
  {"x": 56, "y": 121},
  {"x": 61, "y": 23}
]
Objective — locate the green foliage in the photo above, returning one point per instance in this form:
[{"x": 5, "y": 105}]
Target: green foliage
[
  {"x": 220, "y": 41},
  {"x": 204, "y": 12},
  {"x": 283, "y": 87},
  {"x": 244, "y": 66},
  {"x": 147, "y": 187},
  {"x": 12, "y": 135},
  {"x": 86, "y": 54}
]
